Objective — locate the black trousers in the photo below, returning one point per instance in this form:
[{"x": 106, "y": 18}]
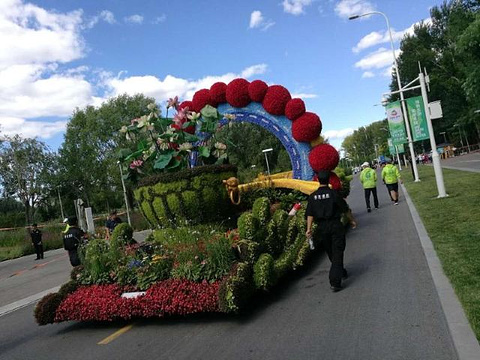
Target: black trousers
[
  {"x": 39, "y": 250},
  {"x": 331, "y": 237},
  {"x": 74, "y": 258},
  {"x": 367, "y": 197}
]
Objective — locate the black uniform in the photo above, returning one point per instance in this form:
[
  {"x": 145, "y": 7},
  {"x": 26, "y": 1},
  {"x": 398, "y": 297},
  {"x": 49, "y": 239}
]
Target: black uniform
[
  {"x": 71, "y": 240},
  {"x": 112, "y": 223},
  {"x": 36, "y": 235},
  {"x": 326, "y": 207}
]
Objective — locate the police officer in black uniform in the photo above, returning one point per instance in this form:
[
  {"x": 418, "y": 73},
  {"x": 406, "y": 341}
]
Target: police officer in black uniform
[
  {"x": 72, "y": 239},
  {"x": 325, "y": 207},
  {"x": 36, "y": 236}
]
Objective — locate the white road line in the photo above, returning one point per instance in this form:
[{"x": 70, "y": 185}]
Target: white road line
[{"x": 25, "y": 302}]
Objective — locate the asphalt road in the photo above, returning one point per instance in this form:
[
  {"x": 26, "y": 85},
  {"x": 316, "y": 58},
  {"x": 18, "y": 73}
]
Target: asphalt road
[
  {"x": 389, "y": 309},
  {"x": 467, "y": 162}
]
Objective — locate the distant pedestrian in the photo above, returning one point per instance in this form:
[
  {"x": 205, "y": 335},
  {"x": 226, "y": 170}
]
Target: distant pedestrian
[
  {"x": 112, "y": 221},
  {"x": 36, "y": 236},
  {"x": 391, "y": 177},
  {"x": 368, "y": 178},
  {"x": 325, "y": 207},
  {"x": 72, "y": 239}
]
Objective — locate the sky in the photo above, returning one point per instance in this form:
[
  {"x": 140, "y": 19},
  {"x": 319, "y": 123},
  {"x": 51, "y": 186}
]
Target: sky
[{"x": 58, "y": 55}]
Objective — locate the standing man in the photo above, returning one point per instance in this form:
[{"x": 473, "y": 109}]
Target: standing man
[
  {"x": 391, "y": 176},
  {"x": 112, "y": 221},
  {"x": 368, "y": 178},
  {"x": 325, "y": 207},
  {"x": 36, "y": 236},
  {"x": 72, "y": 239}
]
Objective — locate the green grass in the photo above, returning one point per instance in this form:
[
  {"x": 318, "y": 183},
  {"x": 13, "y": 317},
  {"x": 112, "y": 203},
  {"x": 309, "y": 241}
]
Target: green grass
[{"x": 453, "y": 224}]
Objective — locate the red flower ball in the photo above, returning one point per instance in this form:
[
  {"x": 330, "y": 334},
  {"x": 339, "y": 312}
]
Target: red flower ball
[
  {"x": 276, "y": 100},
  {"x": 218, "y": 93},
  {"x": 294, "y": 109},
  {"x": 237, "y": 93},
  {"x": 257, "y": 90},
  {"x": 307, "y": 127},
  {"x": 200, "y": 99},
  {"x": 323, "y": 157},
  {"x": 186, "y": 104},
  {"x": 334, "y": 181}
]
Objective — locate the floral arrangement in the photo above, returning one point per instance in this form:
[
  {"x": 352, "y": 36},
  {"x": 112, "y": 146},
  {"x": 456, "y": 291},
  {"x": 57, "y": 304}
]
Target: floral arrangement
[{"x": 163, "y": 144}]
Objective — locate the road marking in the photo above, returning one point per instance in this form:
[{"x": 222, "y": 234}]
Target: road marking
[
  {"x": 115, "y": 335},
  {"x": 4, "y": 310}
]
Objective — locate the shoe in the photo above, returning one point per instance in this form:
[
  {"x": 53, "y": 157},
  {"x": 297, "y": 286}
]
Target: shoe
[
  {"x": 336, "y": 288},
  {"x": 369, "y": 210},
  {"x": 395, "y": 203},
  {"x": 376, "y": 207},
  {"x": 37, "y": 259},
  {"x": 345, "y": 274}
]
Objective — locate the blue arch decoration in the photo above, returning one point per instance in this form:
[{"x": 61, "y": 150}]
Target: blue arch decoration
[{"x": 279, "y": 126}]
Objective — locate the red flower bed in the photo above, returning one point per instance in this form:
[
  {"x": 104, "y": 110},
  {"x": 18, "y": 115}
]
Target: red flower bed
[
  {"x": 200, "y": 99},
  {"x": 218, "y": 93},
  {"x": 169, "y": 297},
  {"x": 294, "y": 109},
  {"x": 257, "y": 90},
  {"x": 323, "y": 157},
  {"x": 276, "y": 99},
  {"x": 237, "y": 93},
  {"x": 307, "y": 127}
]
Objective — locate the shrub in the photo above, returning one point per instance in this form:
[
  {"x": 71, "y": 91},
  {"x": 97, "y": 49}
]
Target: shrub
[
  {"x": 247, "y": 250},
  {"x": 280, "y": 217},
  {"x": 122, "y": 235},
  {"x": 157, "y": 270},
  {"x": 247, "y": 226},
  {"x": 261, "y": 210},
  {"x": 219, "y": 259},
  {"x": 46, "y": 308},
  {"x": 76, "y": 272},
  {"x": 97, "y": 262},
  {"x": 68, "y": 288},
  {"x": 263, "y": 272},
  {"x": 236, "y": 289}
]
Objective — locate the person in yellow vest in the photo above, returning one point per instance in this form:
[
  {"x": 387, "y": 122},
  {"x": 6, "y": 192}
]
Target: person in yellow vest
[
  {"x": 391, "y": 177},
  {"x": 368, "y": 178}
]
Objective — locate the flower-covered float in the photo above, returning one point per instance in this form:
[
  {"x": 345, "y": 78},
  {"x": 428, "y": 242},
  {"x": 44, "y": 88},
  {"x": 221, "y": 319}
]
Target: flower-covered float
[{"x": 203, "y": 255}]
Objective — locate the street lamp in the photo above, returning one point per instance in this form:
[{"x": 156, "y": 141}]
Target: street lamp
[
  {"x": 402, "y": 99},
  {"x": 125, "y": 194},
  {"x": 265, "y": 151},
  {"x": 376, "y": 151}
]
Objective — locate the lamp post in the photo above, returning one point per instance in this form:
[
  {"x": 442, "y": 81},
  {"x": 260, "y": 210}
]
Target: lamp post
[
  {"x": 61, "y": 205},
  {"x": 124, "y": 194},
  {"x": 402, "y": 99},
  {"x": 376, "y": 151},
  {"x": 265, "y": 151}
]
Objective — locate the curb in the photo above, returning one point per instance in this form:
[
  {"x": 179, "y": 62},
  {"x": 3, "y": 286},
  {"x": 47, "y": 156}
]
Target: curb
[
  {"x": 7, "y": 309},
  {"x": 463, "y": 337}
]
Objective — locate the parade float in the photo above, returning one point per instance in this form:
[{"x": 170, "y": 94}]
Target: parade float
[{"x": 206, "y": 254}]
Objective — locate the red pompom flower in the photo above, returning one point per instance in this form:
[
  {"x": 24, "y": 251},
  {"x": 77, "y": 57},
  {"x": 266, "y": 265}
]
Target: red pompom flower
[
  {"x": 307, "y": 127},
  {"x": 334, "y": 181},
  {"x": 294, "y": 109},
  {"x": 200, "y": 99},
  {"x": 257, "y": 90},
  {"x": 237, "y": 93},
  {"x": 185, "y": 104},
  {"x": 323, "y": 157},
  {"x": 276, "y": 100},
  {"x": 218, "y": 93}
]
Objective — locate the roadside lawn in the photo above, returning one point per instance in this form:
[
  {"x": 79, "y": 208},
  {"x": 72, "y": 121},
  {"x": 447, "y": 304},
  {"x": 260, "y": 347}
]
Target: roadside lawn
[{"x": 453, "y": 224}]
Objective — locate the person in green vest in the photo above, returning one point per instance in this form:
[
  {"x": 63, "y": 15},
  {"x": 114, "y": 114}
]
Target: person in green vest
[
  {"x": 368, "y": 178},
  {"x": 391, "y": 177}
]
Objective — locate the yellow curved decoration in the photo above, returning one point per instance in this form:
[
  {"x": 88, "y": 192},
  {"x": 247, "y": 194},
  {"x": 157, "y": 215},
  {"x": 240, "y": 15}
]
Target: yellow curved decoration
[{"x": 306, "y": 187}]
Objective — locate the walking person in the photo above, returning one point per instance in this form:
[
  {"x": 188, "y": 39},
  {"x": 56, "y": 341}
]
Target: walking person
[
  {"x": 325, "y": 207},
  {"x": 72, "y": 239},
  {"x": 36, "y": 236},
  {"x": 368, "y": 178},
  {"x": 391, "y": 177}
]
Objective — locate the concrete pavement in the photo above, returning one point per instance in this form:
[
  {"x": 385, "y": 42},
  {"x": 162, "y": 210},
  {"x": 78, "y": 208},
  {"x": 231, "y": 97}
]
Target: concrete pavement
[
  {"x": 389, "y": 309},
  {"x": 467, "y": 162}
]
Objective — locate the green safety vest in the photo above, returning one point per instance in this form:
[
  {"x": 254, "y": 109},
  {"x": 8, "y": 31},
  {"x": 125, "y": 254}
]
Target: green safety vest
[
  {"x": 390, "y": 174},
  {"x": 368, "y": 178}
]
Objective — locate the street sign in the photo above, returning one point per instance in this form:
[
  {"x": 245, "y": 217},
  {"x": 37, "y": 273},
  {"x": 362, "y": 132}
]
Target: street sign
[
  {"x": 435, "y": 110},
  {"x": 418, "y": 120},
  {"x": 396, "y": 123}
]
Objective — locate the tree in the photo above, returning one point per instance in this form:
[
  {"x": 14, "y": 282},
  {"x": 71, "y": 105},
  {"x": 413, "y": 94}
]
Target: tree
[{"x": 24, "y": 165}]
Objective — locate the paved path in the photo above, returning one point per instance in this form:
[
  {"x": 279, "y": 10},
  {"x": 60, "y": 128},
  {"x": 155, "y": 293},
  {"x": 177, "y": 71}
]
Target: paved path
[
  {"x": 467, "y": 162},
  {"x": 388, "y": 310}
]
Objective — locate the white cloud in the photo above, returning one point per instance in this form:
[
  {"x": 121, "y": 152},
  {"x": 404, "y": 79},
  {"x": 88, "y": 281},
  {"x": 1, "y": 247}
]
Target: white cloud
[
  {"x": 104, "y": 15},
  {"x": 160, "y": 19},
  {"x": 172, "y": 86},
  {"x": 368, "y": 74},
  {"x": 377, "y": 59},
  {"x": 295, "y": 7},
  {"x": 134, "y": 19},
  {"x": 31, "y": 129},
  {"x": 258, "y": 21},
  {"x": 337, "y": 134},
  {"x": 347, "y": 8},
  {"x": 304, "y": 95}
]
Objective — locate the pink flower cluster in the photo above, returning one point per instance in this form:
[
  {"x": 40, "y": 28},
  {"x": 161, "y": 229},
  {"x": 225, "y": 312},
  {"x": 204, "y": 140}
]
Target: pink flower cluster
[
  {"x": 136, "y": 164},
  {"x": 169, "y": 297}
]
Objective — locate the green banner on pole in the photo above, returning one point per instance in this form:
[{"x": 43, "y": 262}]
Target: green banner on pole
[
  {"x": 391, "y": 148},
  {"x": 401, "y": 149},
  {"x": 396, "y": 123},
  {"x": 418, "y": 120}
]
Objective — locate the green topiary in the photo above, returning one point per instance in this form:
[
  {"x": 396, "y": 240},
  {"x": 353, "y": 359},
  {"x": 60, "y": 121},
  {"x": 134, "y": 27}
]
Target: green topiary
[
  {"x": 161, "y": 212},
  {"x": 68, "y": 288},
  {"x": 248, "y": 251},
  {"x": 247, "y": 226},
  {"x": 192, "y": 206},
  {"x": 292, "y": 231},
  {"x": 263, "y": 272},
  {"x": 261, "y": 210},
  {"x": 235, "y": 290},
  {"x": 283, "y": 264},
  {"x": 272, "y": 241},
  {"x": 175, "y": 208},
  {"x": 122, "y": 235},
  {"x": 281, "y": 221},
  {"x": 45, "y": 309}
]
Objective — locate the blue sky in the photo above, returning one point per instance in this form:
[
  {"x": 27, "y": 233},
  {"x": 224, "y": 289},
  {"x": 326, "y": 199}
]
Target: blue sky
[{"x": 56, "y": 55}]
